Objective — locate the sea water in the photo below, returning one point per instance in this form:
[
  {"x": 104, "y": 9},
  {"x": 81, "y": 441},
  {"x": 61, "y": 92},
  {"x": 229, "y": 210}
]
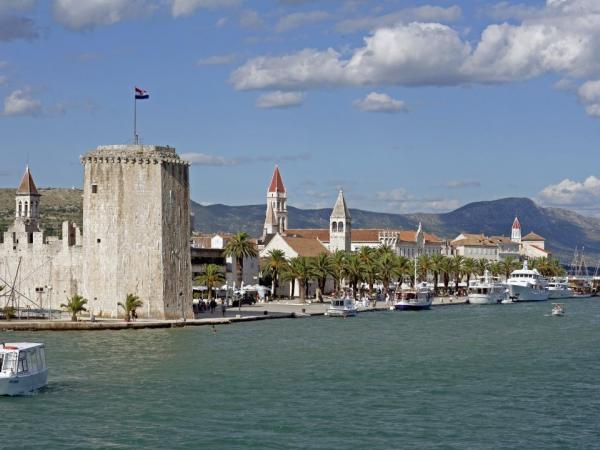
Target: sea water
[{"x": 456, "y": 377}]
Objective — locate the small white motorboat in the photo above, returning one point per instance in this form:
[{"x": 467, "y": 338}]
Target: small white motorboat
[
  {"x": 342, "y": 307},
  {"x": 22, "y": 368},
  {"x": 558, "y": 309}
]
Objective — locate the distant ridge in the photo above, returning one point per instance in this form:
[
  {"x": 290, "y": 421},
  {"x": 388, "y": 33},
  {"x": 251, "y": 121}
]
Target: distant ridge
[{"x": 563, "y": 229}]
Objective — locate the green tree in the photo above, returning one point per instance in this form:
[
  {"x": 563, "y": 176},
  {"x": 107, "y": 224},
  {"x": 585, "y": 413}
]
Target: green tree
[
  {"x": 322, "y": 267},
  {"x": 423, "y": 266},
  {"x": 481, "y": 265},
  {"x": 274, "y": 264},
  {"x": 132, "y": 302},
  {"x": 404, "y": 268},
  {"x": 368, "y": 257},
  {"x": 388, "y": 267},
  {"x": 299, "y": 268},
  {"x": 457, "y": 267},
  {"x": 436, "y": 266},
  {"x": 75, "y": 305},
  {"x": 446, "y": 272},
  {"x": 338, "y": 259},
  {"x": 211, "y": 276},
  {"x": 240, "y": 247},
  {"x": 507, "y": 265},
  {"x": 354, "y": 271},
  {"x": 469, "y": 268}
]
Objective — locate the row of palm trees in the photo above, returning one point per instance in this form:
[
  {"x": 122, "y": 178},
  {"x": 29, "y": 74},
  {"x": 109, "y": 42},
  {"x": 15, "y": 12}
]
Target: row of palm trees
[{"x": 370, "y": 266}]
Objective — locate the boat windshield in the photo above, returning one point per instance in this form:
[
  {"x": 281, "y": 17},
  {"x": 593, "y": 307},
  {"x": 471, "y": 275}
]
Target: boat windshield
[{"x": 1, "y": 361}]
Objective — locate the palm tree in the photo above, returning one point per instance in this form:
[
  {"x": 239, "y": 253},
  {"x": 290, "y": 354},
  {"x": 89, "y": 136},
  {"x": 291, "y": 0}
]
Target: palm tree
[
  {"x": 353, "y": 271},
  {"x": 75, "y": 305},
  {"x": 274, "y": 265},
  {"x": 435, "y": 265},
  {"x": 368, "y": 257},
  {"x": 299, "y": 268},
  {"x": 446, "y": 271},
  {"x": 388, "y": 267},
  {"x": 240, "y": 247},
  {"x": 507, "y": 265},
  {"x": 322, "y": 268},
  {"x": 132, "y": 302},
  {"x": 404, "y": 268},
  {"x": 338, "y": 260},
  {"x": 481, "y": 265},
  {"x": 423, "y": 266},
  {"x": 469, "y": 268},
  {"x": 211, "y": 277},
  {"x": 457, "y": 268},
  {"x": 495, "y": 269}
]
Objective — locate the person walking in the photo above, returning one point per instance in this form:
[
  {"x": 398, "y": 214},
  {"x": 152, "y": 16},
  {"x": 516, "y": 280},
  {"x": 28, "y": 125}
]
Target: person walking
[{"x": 223, "y": 307}]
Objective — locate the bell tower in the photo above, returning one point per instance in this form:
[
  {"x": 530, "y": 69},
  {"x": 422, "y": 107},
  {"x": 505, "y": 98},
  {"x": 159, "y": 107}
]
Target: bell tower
[
  {"x": 340, "y": 226},
  {"x": 276, "y": 220},
  {"x": 27, "y": 203},
  {"x": 516, "y": 231}
]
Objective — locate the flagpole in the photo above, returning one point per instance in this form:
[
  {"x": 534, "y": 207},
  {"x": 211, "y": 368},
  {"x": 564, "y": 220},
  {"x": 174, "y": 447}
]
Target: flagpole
[{"x": 135, "y": 136}]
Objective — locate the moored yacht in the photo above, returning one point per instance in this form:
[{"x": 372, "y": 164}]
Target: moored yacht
[
  {"x": 342, "y": 307},
  {"x": 559, "y": 289},
  {"x": 415, "y": 299},
  {"x": 22, "y": 368},
  {"x": 526, "y": 285},
  {"x": 487, "y": 290}
]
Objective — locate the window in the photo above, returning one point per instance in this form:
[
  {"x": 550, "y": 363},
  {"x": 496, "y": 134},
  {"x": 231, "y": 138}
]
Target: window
[
  {"x": 22, "y": 367},
  {"x": 1, "y": 361},
  {"x": 341, "y": 227},
  {"x": 334, "y": 227},
  {"x": 94, "y": 188},
  {"x": 98, "y": 240}
]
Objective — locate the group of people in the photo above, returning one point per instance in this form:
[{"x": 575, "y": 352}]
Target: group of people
[{"x": 211, "y": 306}]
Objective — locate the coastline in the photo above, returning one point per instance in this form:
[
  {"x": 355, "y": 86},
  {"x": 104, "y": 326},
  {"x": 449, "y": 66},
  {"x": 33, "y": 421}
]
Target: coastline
[{"x": 261, "y": 311}]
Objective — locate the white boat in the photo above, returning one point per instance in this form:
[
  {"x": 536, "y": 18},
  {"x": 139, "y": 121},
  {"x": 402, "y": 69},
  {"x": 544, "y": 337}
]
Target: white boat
[
  {"x": 559, "y": 289},
  {"x": 558, "y": 309},
  {"x": 415, "y": 299},
  {"x": 22, "y": 368},
  {"x": 487, "y": 290},
  {"x": 342, "y": 307},
  {"x": 526, "y": 285}
]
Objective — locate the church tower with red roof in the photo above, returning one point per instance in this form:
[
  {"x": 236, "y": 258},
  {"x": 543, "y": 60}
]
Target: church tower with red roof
[
  {"x": 27, "y": 203},
  {"x": 276, "y": 220},
  {"x": 516, "y": 231}
]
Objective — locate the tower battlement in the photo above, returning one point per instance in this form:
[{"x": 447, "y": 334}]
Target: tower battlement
[{"x": 133, "y": 154}]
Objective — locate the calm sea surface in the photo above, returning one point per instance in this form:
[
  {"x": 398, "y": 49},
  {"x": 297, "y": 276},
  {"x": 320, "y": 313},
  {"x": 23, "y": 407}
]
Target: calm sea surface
[{"x": 474, "y": 377}]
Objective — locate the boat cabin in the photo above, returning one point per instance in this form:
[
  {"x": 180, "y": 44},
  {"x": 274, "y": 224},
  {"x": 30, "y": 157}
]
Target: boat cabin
[{"x": 22, "y": 359}]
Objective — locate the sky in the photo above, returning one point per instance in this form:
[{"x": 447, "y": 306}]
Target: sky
[{"x": 409, "y": 106}]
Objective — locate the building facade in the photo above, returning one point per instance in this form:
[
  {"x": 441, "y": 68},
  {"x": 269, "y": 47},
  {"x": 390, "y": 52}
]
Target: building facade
[{"x": 135, "y": 236}]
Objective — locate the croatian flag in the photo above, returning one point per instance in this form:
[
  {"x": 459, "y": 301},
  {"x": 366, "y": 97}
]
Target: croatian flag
[{"x": 141, "y": 94}]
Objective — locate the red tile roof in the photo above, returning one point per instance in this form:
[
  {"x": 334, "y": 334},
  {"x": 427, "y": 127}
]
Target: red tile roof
[
  {"x": 532, "y": 237},
  {"x": 276, "y": 182},
  {"x": 362, "y": 234},
  {"x": 305, "y": 246},
  {"x": 27, "y": 186}
]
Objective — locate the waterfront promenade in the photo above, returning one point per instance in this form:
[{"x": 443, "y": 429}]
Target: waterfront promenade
[{"x": 261, "y": 311}]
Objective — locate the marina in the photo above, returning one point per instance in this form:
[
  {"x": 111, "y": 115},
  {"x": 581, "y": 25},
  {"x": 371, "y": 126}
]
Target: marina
[{"x": 503, "y": 386}]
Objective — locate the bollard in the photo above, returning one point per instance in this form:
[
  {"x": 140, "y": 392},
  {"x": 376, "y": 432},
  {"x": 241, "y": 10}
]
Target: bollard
[
  {"x": 266, "y": 313},
  {"x": 303, "y": 310}
]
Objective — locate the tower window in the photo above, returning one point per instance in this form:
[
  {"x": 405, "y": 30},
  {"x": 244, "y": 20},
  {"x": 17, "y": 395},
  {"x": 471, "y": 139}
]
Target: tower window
[
  {"x": 334, "y": 227},
  {"x": 94, "y": 188},
  {"x": 341, "y": 227},
  {"x": 98, "y": 240}
]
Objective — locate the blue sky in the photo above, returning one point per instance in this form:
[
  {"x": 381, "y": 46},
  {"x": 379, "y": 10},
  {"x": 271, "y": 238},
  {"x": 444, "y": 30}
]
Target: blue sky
[{"x": 408, "y": 105}]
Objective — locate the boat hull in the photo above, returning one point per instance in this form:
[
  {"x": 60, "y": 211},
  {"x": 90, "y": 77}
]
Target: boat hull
[
  {"x": 23, "y": 384},
  {"x": 527, "y": 294},
  {"x": 411, "y": 306},
  {"x": 486, "y": 299},
  {"x": 555, "y": 294},
  {"x": 341, "y": 312}
]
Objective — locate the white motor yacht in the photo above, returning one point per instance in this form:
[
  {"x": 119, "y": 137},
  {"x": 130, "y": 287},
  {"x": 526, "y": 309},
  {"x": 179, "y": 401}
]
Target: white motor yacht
[
  {"x": 22, "y": 368},
  {"x": 487, "y": 290},
  {"x": 415, "y": 299},
  {"x": 526, "y": 285},
  {"x": 559, "y": 289},
  {"x": 342, "y": 307}
]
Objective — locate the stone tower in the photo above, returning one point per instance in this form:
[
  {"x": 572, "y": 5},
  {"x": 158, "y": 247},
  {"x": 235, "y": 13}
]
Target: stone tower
[
  {"x": 27, "y": 204},
  {"x": 276, "y": 220},
  {"x": 136, "y": 226},
  {"x": 340, "y": 226},
  {"x": 516, "y": 231}
]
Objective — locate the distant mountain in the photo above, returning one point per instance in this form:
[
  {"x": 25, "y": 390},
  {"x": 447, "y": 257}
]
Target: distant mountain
[{"x": 563, "y": 229}]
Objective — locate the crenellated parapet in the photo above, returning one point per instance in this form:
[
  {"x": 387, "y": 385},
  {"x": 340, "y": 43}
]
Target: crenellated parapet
[{"x": 133, "y": 154}]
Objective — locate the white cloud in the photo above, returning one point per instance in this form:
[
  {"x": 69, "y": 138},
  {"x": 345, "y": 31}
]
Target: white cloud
[
  {"x": 401, "y": 201},
  {"x": 17, "y": 27},
  {"x": 299, "y": 19},
  {"x": 8, "y": 6},
  {"x": 21, "y": 103},
  {"x": 78, "y": 14},
  {"x": 589, "y": 95},
  {"x": 187, "y": 7},
  {"x": 506, "y": 10},
  {"x": 250, "y": 19},
  {"x": 280, "y": 99},
  {"x": 3, "y": 79},
  {"x": 460, "y": 184},
  {"x": 203, "y": 159},
  {"x": 582, "y": 196},
  {"x": 216, "y": 60},
  {"x": 562, "y": 37},
  {"x": 379, "y": 102},
  {"x": 425, "y": 13}
]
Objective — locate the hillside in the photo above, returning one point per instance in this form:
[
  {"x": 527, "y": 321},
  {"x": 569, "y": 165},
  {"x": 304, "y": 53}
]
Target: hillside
[{"x": 563, "y": 229}]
